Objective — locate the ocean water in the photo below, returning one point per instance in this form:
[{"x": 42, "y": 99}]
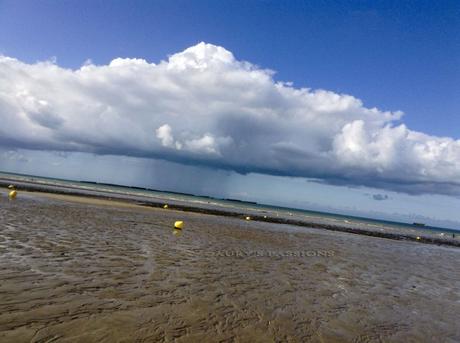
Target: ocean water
[{"x": 238, "y": 206}]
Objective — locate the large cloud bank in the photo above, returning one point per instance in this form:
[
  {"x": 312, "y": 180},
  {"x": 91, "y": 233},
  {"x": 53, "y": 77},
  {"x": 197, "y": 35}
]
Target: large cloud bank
[{"x": 204, "y": 107}]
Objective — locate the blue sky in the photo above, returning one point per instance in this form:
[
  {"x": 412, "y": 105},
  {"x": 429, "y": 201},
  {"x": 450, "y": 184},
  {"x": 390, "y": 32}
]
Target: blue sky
[{"x": 393, "y": 55}]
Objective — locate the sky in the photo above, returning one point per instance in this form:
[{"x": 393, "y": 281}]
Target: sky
[{"x": 347, "y": 107}]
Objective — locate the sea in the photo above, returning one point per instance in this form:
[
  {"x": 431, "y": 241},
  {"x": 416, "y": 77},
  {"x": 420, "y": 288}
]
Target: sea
[{"x": 235, "y": 205}]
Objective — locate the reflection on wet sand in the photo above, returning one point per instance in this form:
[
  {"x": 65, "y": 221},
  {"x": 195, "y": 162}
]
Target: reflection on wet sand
[{"x": 98, "y": 271}]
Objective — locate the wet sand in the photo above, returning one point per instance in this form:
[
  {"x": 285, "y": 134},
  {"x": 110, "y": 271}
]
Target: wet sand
[
  {"x": 125, "y": 196},
  {"x": 91, "y": 270}
]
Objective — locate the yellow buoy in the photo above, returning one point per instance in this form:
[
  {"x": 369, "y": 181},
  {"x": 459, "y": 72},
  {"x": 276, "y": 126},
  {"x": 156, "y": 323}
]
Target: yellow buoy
[
  {"x": 165, "y": 206},
  {"x": 248, "y": 218},
  {"x": 418, "y": 238},
  {"x": 265, "y": 217},
  {"x": 179, "y": 225},
  {"x": 11, "y": 187},
  {"x": 12, "y": 194}
]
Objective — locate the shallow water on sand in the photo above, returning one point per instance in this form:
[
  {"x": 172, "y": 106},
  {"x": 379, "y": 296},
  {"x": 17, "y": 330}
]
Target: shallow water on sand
[{"x": 91, "y": 272}]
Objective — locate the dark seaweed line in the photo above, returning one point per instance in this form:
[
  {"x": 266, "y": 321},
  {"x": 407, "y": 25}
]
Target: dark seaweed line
[{"x": 185, "y": 208}]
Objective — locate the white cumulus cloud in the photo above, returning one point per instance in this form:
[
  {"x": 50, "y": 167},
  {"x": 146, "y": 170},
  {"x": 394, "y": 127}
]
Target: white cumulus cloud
[
  {"x": 165, "y": 136},
  {"x": 202, "y": 106}
]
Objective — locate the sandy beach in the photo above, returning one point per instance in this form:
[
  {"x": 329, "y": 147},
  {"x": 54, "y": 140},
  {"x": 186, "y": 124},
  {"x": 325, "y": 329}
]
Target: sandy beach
[{"x": 78, "y": 269}]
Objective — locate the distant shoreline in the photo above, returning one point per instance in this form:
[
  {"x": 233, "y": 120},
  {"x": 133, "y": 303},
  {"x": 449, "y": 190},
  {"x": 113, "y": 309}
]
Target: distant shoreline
[
  {"x": 146, "y": 201},
  {"x": 39, "y": 179}
]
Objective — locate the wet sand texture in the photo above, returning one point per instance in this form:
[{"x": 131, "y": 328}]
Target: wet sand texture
[
  {"x": 76, "y": 272},
  {"x": 83, "y": 193}
]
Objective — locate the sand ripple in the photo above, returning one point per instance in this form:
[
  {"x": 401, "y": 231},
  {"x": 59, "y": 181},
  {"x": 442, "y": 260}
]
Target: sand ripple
[{"x": 83, "y": 272}]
